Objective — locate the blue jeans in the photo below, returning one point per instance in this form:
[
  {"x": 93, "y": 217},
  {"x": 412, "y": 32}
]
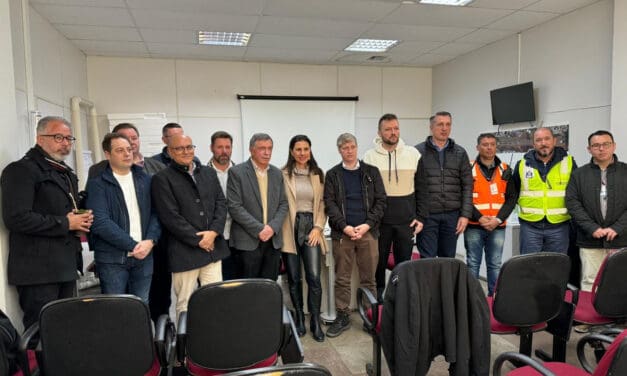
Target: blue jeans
[
  {"x": 437, "y": 237},
  {"x": 544, "y": 237},
  {"x": 132, "y": 277},
  {"x": 477, "y": 240}
]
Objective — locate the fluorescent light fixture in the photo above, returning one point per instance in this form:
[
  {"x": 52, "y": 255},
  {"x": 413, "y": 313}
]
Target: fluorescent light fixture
[
  {"x": 371, "y": 45},
  {"x": 221, "y": 38},
  {"x": 446, "y": 2}
]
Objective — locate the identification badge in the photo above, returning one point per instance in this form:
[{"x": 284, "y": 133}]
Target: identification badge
[
  {"x": 494, "y": 189},
  {"x": 529, "y": 174}
]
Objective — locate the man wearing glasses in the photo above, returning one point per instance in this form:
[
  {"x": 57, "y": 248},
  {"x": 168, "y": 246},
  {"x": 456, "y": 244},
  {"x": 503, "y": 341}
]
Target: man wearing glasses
[
  {"x": 540, "y": 181},
  {"x": 192, "y": 208},
  {"x": 39, "y": 207},
  {"x": 595, "y": 201}
]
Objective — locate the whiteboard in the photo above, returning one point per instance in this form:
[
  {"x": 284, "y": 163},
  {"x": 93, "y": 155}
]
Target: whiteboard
[{"x": 321, "y": 120}]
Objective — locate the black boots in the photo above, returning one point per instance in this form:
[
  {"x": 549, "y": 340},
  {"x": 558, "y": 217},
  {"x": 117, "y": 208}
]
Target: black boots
[
  {"x": 316, "y": 327},
  {"x": 296, "y": 293},
  {"x": 299, "y": 321}
]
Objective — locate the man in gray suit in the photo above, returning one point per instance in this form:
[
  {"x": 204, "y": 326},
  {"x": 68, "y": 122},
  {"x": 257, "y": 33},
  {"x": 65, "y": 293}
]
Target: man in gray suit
[{"x": 257, "y": 203}]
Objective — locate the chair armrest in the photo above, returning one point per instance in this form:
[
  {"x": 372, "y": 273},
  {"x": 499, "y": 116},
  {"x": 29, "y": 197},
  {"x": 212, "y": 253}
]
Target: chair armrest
[
  {"x": 291, "y": 350},
  {"x": 366, "y": 300},
  {"x": 24, "y": 345},
  {"x": 164, "y": 339},
  {"x": 515, "y": 357},
  {"x": 181, "y": 337},
  {"x": 575, "y": 293},
  {"x": 593, "y": 340}
]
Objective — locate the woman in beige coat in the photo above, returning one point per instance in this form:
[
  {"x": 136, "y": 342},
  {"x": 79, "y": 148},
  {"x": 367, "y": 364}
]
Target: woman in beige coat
[{"x": 303, "y": 231}]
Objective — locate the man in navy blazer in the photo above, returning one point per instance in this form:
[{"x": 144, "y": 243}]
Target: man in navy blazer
[{"x": 257, "y": 203}]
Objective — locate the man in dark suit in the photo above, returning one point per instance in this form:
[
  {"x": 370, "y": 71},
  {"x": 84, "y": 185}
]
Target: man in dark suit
[
  {"x": 257, "y": 203},
  {"x": 39, "y": 207}
]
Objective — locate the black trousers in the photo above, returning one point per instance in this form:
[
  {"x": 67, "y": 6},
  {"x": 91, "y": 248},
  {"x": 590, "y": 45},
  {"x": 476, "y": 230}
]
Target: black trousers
[
  {"x": 400, "y": 238},
  {"x": 160, "y": 297},
  {"x": 262, "y": 262},
  {"x": 230, "y": 267},
  {"x": 311, "y": 262},
  {"x": 34, "y": 297}
]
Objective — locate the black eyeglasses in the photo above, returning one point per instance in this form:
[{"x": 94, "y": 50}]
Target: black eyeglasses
[
  {"x": 59, "y": 137},
  {"x": 180, "y": 149}
]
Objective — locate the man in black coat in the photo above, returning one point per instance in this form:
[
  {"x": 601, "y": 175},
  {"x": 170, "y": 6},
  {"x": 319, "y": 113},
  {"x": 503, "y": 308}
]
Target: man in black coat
[
  {"x": 596, "y": 202},
  {"x": 192, "y": 207},
  {"x": 39, "y": 207},
  {"x": 445, "y": 169}
]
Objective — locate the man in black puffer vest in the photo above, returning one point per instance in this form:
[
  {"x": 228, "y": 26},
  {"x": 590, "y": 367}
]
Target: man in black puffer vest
[{"x": 444, "y": 167}]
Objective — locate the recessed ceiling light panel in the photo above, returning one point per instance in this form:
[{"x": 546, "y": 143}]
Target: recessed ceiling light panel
[
  {"x": 221, "y": 38},
  {"x": 446, "y": 2},
  {"x": 371, "y": 45}
]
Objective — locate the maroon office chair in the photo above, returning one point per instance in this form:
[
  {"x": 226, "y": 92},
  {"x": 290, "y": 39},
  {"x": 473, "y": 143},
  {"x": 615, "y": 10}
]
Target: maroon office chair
[
  {"x": 607, "y": 302},
  {"x": 529, "y": 292},
  {"x": 236, "y": 325},
  {"x": 613, "y": 362},
  {"x": 100, "y": 335}
]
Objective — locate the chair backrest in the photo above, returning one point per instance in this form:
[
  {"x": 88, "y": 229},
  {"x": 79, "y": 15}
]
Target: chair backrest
[
  {"x": 96, "y": 335},
  {"x": 614, "y": 361},
  {"x": 234, "y": 324},
  {"x": 610, "y": 289},
  {"x": 302, "y": 369},
  {"x": 530, "y": 288}
]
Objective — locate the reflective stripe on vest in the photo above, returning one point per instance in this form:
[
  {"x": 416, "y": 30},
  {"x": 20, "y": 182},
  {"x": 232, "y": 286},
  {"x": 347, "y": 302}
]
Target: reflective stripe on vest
[
  {"x": 539, "y": 199},
  {"x": 483, "y": 198}
]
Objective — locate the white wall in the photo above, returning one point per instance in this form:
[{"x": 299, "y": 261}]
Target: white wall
[
  {"x": 569, "y": 61},
  {"x": 201, "y": 95},
  {"x": 619, "y": 79},
  {"x": 9, "y": 151},
  {"x": 58, "y": 72}
]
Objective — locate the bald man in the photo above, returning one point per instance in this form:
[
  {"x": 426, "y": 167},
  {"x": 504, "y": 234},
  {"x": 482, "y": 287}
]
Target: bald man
[{"x": 192, "y": 207}]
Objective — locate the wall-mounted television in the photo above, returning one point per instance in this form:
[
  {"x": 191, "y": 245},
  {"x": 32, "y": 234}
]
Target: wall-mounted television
[{"x": 513, "y": 104}]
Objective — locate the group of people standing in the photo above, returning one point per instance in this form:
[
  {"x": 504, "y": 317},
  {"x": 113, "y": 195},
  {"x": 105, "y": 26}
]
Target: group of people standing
[{"x": 171, "y": 221}]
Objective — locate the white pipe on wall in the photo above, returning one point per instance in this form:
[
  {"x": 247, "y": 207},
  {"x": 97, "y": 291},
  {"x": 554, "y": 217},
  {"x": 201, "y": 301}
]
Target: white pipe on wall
[{"x": 75, "y": 108}]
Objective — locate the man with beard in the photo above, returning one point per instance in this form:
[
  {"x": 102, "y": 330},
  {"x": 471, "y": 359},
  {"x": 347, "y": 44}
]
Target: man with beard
[
  {"x": 39, "y": 207},
  {"x": 397, "y": 164},
  {"x": 222, "y": 148},
  {"x": 540, "y": 181}
]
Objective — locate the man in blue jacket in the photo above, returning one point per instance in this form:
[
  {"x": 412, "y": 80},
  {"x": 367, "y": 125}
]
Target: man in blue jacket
[{"x": 125, "y": 225}]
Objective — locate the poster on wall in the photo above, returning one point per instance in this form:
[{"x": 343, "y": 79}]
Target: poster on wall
[{"x": 521, "y": 140}]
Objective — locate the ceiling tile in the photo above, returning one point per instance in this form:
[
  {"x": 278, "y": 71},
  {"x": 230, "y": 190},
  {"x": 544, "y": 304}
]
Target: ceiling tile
[
  {"x": 435, "y": 15},
  {"x": 559, "y": 6},
  {"x": 289, "y": 55},
  {"x": 169, "y": 36},
  {"x": 170, "y": 49},
  {"x": 88, "y": 3},
  {"x": 127, "y": 34},
  {"x": 416, "y": 33},
  {"x": 485, "y": 36},
  {"x": 501, "y": 4},
  {"x": 98, "y": 47},
  {"x": 73, "y": 15},
  {"x": 415, "y": 47},
  {"x": 364, "y": 10},
  {"x": 313, "y": 27},
  {"x": 274, "y": 41},
  {"x": 455, "y": 49},
  {"x": 429, "y": 60},
  {"x": 159, "y": 19},
  {"x": 522, "y": 20},
  {"x": 240, "y": 7}
]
